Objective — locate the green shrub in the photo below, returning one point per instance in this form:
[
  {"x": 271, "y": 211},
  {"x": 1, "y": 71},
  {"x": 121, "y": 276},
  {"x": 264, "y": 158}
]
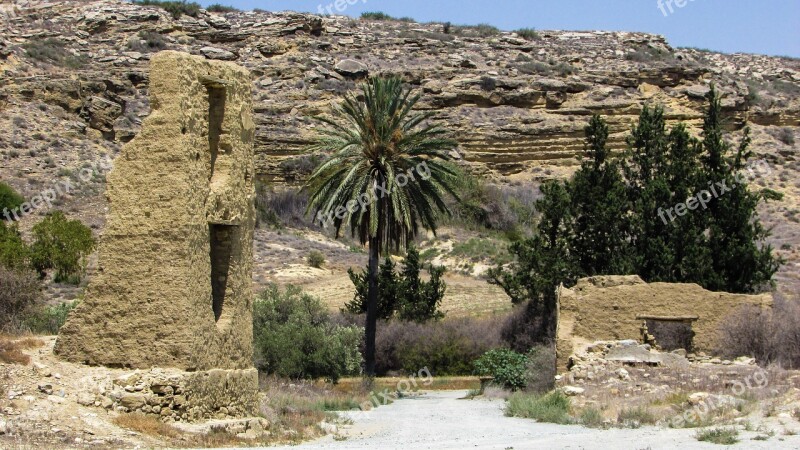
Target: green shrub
[
  {"x": 481, "y": 30},
  {"x": 49, "y": 319},
  {"x": 294, "y": 337},
  {"x": 528, "y": 33},
  {"x": 9, "y": 199},
  {"x": 551, "y": 408},
  {"x": 147, "y": 41},
  {"x": 216, "y": 7},
  {"x": 175, "y": 8},
  {"x": 635, "y": 417},
  {"x": 20, "y": 294},
  {"x": 722, "y": 436},
  {"x": 646, "y": 54},
  {"x": 53, "y": 51},
  {"x": 506, "y": 366},
  {"x": 591, "y": 417},
  {"x": 315, "y": 259},
  {"x": 63, "y": 245},
  {"x": 14, "y": 253},
  {"x": 377, "y": 15}
]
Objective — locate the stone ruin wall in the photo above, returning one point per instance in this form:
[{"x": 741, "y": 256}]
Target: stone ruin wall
[
  {"x": 614, "y": 308},
  {"x": 173, "y": 287}
]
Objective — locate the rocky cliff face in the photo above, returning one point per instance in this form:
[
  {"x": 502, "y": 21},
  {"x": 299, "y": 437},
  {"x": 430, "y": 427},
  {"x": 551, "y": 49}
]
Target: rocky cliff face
[
  {"x": 75, "y": 77},
  {"x": 513, "y": 102}
]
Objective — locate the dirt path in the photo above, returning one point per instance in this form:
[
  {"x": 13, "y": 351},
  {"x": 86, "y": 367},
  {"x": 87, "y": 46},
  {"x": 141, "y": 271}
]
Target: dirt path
[{"x": 441, "y": 420}]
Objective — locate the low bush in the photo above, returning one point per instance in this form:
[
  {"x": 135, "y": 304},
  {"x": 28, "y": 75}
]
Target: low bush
[
  {"x": 377, "y": 15},
  {"x": 481, "y": 30},
  {"x": 770, "y": 336},
  {"x": 445, "y": 347},
  {"x": 546, "y": 69},
  {"x": 218, "y": 8},
  {"x": 302, "y": 166},
  {"x": 278, "y": 208},
  {"x": 48, "y": 320},
  {"x": 9, "y": 200},
  {"x": 316, "y": 259},
  {"x": 147, "y": 41},
  {"x": 721, "y": 436},
  {"x": 294, "y": 337},
  {"x": 174, "y": 7},
  {"x": 53, "y": 51},
  {"x": 496, "y": 207},
  {"x": 591, "y": 417},
  {"x": 528, "y": 33},
  {"x": 647, "y": 54},
  {"x": 550, "y": 408},
  {"x": 20, "y": 294},
  {"x": 635, "y": 417},
  {"x": 507, "y": 367}
]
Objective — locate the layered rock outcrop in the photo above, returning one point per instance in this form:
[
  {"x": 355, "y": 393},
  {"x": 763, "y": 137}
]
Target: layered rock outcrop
[{"x": 514, "y": 103}]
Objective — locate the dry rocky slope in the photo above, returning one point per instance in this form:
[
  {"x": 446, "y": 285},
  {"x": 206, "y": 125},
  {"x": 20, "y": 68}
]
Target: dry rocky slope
[{"x": 517, "y": 106}]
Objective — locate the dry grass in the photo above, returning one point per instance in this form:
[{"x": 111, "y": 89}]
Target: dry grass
[
  {"x": 146, "y": 424},
  {"x": 11, "y": 349}
]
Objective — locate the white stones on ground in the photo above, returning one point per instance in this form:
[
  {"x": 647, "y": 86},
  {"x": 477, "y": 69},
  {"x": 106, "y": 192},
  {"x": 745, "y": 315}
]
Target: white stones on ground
[
  {"x": 698, "y": 398},
  {"x": 42, "y": 370},
  {"x": 572, "y": 391},
  {"x": 623, "y": 374},
  {"x": 85, "y": 399},
  {"x": 45, "y": 388}
]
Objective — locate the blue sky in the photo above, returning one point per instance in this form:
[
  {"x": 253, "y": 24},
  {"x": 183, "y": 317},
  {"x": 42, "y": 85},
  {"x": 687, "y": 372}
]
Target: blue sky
[{"x": 754, "y": 26}]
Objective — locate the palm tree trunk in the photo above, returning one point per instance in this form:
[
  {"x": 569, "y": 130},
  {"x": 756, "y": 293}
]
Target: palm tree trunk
[{"x": 372, "y": 307}]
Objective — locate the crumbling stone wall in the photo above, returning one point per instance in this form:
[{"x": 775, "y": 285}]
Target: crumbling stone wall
[
  {"x": 183, "y": 396},
  {"x": 173, "y": 286},
  {"x": 614, "y": 308}
]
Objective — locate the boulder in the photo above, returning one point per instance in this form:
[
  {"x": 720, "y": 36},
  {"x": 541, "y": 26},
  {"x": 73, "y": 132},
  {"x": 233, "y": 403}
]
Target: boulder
[
  {"x": 218, "y": 53},
  {"x": 351, "y": 68}
]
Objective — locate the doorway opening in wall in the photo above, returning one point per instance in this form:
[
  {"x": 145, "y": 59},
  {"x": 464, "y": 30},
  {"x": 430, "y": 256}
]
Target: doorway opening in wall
[
  {"x": 671, "y": 334},
  {"x": 222, "y": 240}
]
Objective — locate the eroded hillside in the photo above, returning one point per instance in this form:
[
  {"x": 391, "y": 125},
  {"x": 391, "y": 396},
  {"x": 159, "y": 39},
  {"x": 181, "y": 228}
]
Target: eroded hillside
[{"x": 75, "y": 76}]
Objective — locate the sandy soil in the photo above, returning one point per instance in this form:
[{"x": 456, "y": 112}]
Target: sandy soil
[{"x": 443, "y": 420}]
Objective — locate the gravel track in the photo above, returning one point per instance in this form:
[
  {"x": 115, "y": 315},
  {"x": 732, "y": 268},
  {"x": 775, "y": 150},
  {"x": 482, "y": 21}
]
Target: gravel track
[{"x": 442, "y": 420}]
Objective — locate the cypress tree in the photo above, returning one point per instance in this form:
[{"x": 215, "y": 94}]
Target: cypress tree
[
  {"x": 741, "y": 261},
  {"x": 599, "y": 208}
]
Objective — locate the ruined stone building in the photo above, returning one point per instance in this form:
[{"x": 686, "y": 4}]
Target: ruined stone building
[
  {"x": 625, "y": 307},
  {"x": 173, "y": 286}
]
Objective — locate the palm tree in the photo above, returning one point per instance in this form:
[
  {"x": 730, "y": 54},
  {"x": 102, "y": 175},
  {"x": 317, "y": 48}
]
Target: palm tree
[{"x": 387, "y": 175}]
